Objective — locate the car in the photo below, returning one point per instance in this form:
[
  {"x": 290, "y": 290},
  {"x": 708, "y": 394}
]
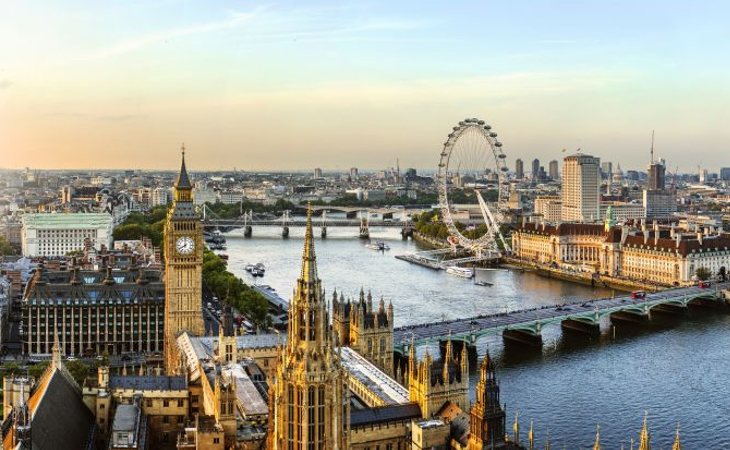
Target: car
[
  {"x": 704, "y": 284},
  {"x": 71, "y": 358},
  {"x": 638, "y": 294}
]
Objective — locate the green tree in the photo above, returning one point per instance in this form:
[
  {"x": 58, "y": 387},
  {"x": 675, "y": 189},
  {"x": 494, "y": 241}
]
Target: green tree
[
  {"x": 703, "y": 273},
  {"x": 37, "y": 370},
  {"x": 78, "y": 370},
  {"x": 5, "y": 247},
  {"x": 12, "y": 368}
]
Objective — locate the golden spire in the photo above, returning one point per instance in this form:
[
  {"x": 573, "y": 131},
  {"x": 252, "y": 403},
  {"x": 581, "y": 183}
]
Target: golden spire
[
  {"x": 531, "y": 437},
  {"x": 597, "y": 444},
  {"x": 644, "y": 436},
  {"x": 677, "y": 444},
  {"x": 309, "y": 261},
  {"x": 516, "y": 429}
]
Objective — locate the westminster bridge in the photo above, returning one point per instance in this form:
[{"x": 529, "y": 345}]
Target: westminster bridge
[{"x": 525, "y": 326}]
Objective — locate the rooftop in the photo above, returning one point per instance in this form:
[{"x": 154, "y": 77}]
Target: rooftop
[{"x": 67, "y": 220}]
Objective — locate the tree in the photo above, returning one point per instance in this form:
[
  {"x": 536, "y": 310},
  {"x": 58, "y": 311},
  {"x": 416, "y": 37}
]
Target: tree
[
  {"x": 37, "y": 370},
  {"x": 5, "y": 247},
  {"x": 78, "y": 370},
  {"x": 703, "y": 273}
]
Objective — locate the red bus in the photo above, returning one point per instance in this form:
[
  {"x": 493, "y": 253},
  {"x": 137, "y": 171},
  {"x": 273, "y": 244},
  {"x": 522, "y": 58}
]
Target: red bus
[{"x": 638, "y": 294}]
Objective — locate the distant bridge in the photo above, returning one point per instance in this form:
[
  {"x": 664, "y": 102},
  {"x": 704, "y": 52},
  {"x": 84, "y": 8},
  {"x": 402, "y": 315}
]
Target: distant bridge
[
  {"x": 354, "y": 217},
  {"x": 525, "y": 326}
]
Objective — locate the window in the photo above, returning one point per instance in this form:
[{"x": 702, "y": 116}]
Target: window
[
  {"x": 216, "y": 440},
  {"x": 166, "y": 403},
  {"x": 180, "y": 403},
  {"x": 165, "y": 419}
]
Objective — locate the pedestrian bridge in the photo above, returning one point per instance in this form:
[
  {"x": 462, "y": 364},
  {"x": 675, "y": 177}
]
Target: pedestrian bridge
[{"x": 525, "y": 326}]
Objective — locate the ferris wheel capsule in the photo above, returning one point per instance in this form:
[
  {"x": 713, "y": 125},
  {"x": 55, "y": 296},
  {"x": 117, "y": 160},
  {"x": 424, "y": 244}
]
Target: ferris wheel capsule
[
  {"x": 497, "y": 144},
  {"x": 487, "y": 127}
]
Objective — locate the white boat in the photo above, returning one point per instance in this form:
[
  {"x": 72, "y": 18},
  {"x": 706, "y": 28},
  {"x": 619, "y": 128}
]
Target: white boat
[
  {"x": 460, "y": 271},
  {"x": 249, "y": 268},
  {"x": 378, "y": 245},
  {"x": 260, "y": 267}
]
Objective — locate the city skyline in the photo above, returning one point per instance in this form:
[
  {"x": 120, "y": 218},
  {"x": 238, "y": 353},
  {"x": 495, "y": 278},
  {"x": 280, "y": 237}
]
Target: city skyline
[{"x": 324, "y": 85}]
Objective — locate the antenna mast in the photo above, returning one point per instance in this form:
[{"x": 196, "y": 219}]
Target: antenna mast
[{"x": 652, "y": 146}]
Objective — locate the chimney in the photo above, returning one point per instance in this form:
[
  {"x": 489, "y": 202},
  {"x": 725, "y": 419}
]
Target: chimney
[
  {"x": 679, "y": 239},
  {"x": 699, "y": 237}
]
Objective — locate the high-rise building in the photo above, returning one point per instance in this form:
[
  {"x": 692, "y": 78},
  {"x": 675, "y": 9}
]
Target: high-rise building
[
  {"x": 307, "y": 401},
  {"x": 704, "y": 178},
  {"x": 606, "y": 169},
  {"x": 535, "y": 168},
  {"x": 353, "y": 172},
  {"x": 554, "y": 172},
  {"x": 656, "y": 176},
  {"x": 580, "y": 192},
  {"x": 318, "y": 173},
  {"x": 519, "y": 169},
  {"x": 183, "y": 240},
  {"x": 725, "y": 173}
]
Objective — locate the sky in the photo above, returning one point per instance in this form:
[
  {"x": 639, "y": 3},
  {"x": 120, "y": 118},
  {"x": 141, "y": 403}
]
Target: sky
[{"x": 298, "y": 85}]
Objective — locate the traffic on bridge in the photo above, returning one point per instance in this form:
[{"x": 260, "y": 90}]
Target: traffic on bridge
[{"x": 525, "y": 325}]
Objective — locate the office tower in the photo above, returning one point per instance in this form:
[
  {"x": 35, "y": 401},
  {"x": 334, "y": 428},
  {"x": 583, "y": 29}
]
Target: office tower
[
  {"x": 519, "y": 169},
  {"x": 553, "y": 170},
  {"x": 725, "y": 174},
  {"x": 535, "y": 168},
  {"x": 317, "y": 173},
  {"x": 606, "y": 169},
  {"x": 581, "y": 184}
]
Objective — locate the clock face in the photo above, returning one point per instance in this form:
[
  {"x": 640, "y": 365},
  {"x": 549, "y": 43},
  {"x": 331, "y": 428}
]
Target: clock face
[{"x": 185, "y": 245}]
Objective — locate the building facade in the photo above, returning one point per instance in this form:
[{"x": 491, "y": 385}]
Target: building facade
[
  {"x": 519, "y": 169},
  {"x": 94, "y": 311},
  {"x": 60, "y": 233},
  {"x": 580, "y": 191},
  {"x": 660, "y": 254},
  {"x": 183, "y": 241},
  {"x": 553, "y": 170},
  {"x": 549, "y": 207},
  {"x": 364, "y": 329}
]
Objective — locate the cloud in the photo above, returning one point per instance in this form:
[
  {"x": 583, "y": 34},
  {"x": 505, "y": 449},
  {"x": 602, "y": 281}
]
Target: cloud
[
  {"x": 5, "y": 84},
  {"x": 148, "y": 40}
]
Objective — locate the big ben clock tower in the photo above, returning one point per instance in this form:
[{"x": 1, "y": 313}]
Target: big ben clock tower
[{"x": 183, "y": 269}]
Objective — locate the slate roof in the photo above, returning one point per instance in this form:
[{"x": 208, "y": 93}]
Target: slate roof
[
  {"x": 373, "y": 416},
  {"x": 148, "y": 382},
  {"x": 60, "y": 416}
]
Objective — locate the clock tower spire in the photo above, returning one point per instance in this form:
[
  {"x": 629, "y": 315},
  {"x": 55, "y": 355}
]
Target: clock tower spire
[{"x": 183, "y": 244}]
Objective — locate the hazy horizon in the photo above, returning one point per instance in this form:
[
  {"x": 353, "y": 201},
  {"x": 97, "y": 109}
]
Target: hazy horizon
[{"x": 286, "y": 86}]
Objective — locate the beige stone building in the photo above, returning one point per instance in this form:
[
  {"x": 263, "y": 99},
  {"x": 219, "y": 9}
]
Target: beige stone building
[
  {"x": 366, "y": 330},
  {"x": 183, "y": 241},
  {"x": 656, "y": 254}
]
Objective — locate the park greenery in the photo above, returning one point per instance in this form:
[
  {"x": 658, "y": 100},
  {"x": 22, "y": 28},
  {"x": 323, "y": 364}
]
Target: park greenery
[
  {"x": 5, "y": 247},
  {"x": 233, "y": 291},
  {"x": 233, "y": 210},
  {"x": 78, "y": 369},
  {"x": 139, "y": 225},
  {"x": 703, "y": 273}
]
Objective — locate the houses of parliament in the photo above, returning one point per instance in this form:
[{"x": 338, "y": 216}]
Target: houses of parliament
[{"x": 328, "y": 383}]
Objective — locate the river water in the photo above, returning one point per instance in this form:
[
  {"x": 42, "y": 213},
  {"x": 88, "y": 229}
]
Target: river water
[{"x": 676, "y": 369}]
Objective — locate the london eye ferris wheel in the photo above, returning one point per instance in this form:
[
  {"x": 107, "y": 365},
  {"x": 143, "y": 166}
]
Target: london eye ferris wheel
[{"x": 473, "y": 162}]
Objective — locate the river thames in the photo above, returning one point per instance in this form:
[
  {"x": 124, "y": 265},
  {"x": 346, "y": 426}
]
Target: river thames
[{"x": 676, "y": 369}]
